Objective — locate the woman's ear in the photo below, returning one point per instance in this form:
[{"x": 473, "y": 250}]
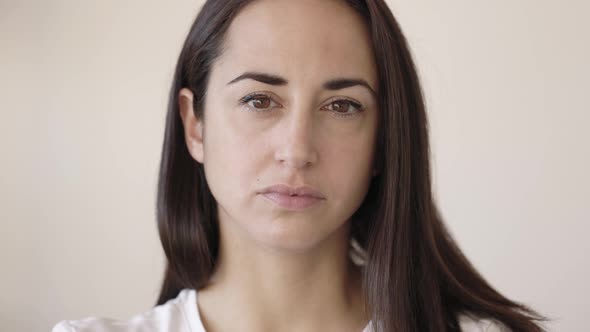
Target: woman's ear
[{"x": 193, "y": 127}]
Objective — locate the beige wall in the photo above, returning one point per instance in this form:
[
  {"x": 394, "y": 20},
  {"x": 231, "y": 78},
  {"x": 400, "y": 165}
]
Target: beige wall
[{"x": 83, "y": 89}]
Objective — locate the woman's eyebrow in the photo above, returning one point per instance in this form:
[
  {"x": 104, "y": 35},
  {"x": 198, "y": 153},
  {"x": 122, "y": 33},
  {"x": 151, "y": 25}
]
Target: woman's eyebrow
[
  {"x": 341, "y": 83},
  {"x": 260, "y": 77},
  {"x": 335, "y": 84}
]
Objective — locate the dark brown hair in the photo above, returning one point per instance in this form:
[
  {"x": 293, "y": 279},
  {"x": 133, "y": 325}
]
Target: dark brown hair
[{"x": 416, "y": 278}]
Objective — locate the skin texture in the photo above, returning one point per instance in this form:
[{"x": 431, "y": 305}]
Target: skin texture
[{"x": 282, "y": 270}]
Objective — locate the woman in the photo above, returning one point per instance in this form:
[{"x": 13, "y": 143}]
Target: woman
[{"x": 295, "y": 190}]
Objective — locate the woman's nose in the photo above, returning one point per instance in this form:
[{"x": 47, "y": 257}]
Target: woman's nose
[{"x": 296, "y": 148}]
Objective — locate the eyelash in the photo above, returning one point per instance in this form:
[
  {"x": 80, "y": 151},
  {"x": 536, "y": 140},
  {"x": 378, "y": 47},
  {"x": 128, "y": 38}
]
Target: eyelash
[{"x": 257, "y": 95}]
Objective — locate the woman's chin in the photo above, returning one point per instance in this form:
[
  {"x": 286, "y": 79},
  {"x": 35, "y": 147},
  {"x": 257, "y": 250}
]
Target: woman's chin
[{"x": 294, "y": 236}]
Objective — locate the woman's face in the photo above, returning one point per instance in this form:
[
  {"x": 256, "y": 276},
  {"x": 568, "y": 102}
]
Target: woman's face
[{"x": 290, "y": 101}]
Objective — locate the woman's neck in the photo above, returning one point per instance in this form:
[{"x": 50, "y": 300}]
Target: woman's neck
[{"x": 256, "y": 288}]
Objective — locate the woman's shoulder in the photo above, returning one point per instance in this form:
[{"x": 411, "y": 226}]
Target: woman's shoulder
[
  {"x": 473, "y": 323},
  {"x": 174, "y": 315},
  {"x": 181, "y": 314},
  {"x": 469, "y": 323}
]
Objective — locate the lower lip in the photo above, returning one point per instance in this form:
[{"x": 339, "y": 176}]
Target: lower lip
[{"x": 292, "y": 202}]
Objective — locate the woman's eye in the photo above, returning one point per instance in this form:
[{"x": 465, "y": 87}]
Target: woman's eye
[
  {"x": 345, "y": 107},
  {"x": 258, "y": 102},
  {"x": 261, "y": 103}
]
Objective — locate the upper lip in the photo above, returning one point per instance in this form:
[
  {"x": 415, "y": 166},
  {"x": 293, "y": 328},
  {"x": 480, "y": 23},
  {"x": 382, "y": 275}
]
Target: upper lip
[{"x": 289, "y": 190}]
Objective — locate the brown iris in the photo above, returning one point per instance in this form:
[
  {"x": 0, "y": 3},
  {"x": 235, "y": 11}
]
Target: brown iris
[
  {"x": 261, "y": 102},
  {"x": 340, "y": 106}
]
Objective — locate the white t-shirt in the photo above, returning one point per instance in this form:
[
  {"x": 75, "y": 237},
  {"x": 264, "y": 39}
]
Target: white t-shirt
[{"x": 181, "y": 315}]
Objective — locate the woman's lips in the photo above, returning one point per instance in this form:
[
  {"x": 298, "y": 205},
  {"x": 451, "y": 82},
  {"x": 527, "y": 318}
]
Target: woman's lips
[{"x": 292, "y": 202}]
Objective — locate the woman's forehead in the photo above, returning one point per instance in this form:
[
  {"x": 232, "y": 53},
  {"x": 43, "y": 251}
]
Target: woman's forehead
[{"x": 300, "y": 38}]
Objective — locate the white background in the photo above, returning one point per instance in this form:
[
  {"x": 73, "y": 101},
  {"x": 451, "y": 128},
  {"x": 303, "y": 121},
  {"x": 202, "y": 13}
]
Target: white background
[{"x": 83, "y": 92}]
